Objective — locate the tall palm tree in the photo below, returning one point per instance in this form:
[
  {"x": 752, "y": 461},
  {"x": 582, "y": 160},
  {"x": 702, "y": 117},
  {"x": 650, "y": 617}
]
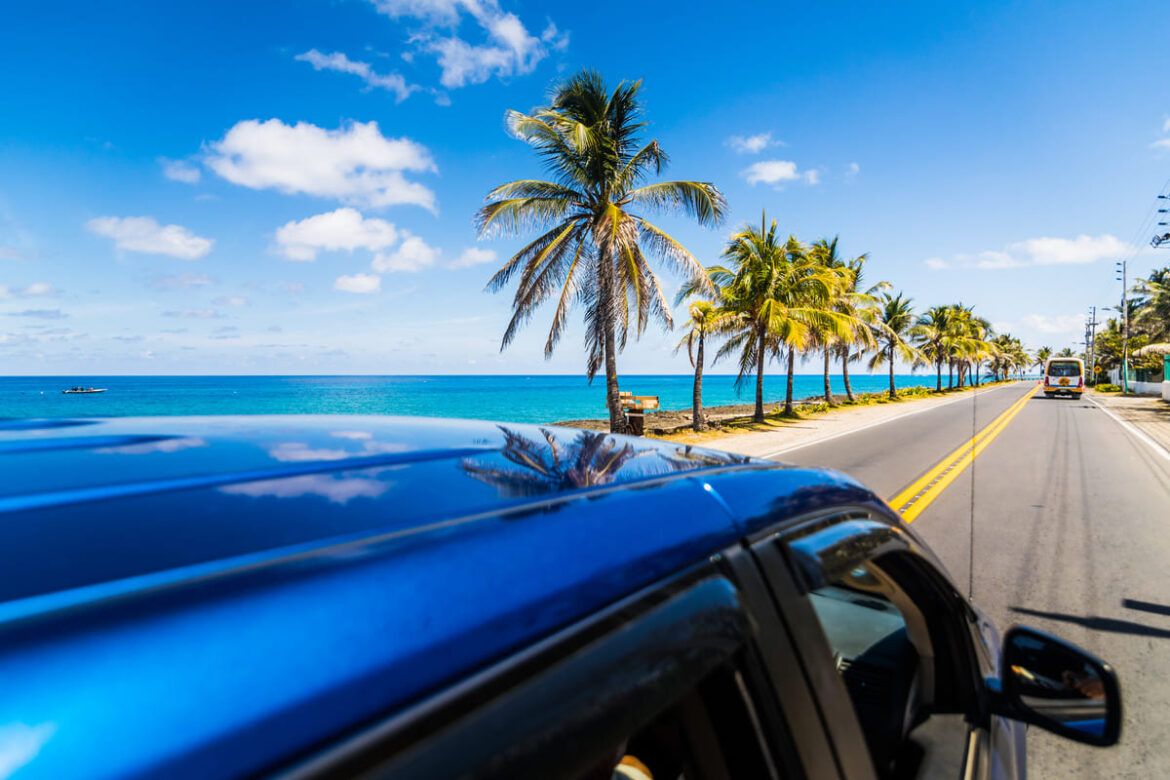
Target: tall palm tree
[
  {"x": 967, "y": 339},
  {"x": 931, "y": 333},
  {"x": 1008, "y": 356},
  {"x": 853, "y": 300},
  {"x": 1042, "y": 356},
  {"x": 774, "y": 296},
  {"x": 1153, "y": 304},
  {"x": 593, "y": 233},
  {"x": 703, "y": 318},
  {"x": 893, "y": 328}
]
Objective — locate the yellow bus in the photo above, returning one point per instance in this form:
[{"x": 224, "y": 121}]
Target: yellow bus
[{"x": 1064, "y": 376}]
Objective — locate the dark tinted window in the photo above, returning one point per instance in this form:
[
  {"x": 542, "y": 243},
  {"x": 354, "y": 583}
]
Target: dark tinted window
[
  {"x": 711, "y": 732},
  {"x": 1064, "y": 369}
]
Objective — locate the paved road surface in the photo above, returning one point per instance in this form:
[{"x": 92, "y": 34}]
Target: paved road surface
[{"x": 1071, "y": 535}]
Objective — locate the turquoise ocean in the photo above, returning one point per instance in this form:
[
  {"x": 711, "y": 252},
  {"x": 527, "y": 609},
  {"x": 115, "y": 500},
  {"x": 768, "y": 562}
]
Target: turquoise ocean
[{"x": 512, "y": 398}]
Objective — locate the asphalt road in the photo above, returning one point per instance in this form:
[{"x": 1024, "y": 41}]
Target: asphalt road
[{"x": 1071, "y": 517}]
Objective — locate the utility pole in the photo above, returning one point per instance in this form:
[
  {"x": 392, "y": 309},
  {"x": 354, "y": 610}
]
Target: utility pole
[
  {"x": 1123, "y": 276},
  {"x": 1091, "y": 340}
]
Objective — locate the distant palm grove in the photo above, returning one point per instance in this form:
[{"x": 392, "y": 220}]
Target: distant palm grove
[{"x": 771, "y": 298}]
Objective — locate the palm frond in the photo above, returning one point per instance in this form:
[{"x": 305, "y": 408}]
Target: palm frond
[{"x": 701, "y": 200}]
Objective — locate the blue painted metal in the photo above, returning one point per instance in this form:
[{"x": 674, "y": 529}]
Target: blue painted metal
[{"x": 210, "y": 596}]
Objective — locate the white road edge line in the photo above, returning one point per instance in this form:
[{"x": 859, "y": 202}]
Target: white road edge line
[
  {"x": 867, "y": 426},
  {"x": 1136, "y": 432}
]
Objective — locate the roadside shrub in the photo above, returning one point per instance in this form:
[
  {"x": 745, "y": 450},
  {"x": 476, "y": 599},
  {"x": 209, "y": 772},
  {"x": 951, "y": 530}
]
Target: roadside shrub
[{"x": 1105, "y": 387}]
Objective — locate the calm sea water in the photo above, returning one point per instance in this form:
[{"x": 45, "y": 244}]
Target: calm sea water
[{"x": 509, "y": 398}]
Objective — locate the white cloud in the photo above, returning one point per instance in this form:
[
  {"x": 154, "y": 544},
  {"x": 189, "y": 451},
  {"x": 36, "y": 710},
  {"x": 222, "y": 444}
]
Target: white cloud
[
  {"x": 1055, "y": 324},
  {"x": 40, "y": 314},
  {"x": 853, "y": 170},
  {"x": 751, "y": 144},
  {"x": 354, "y": 164},
  {"x": 474, "y": 255},
  {"x": 181, "y": 281},
  {"x": 358, "y": 283},
  {"x": 556, "y": 39},
  {"x": 231, "y": 300},
  {"x": 38, "y": 288},
  {"x": 342, "y": 230},
  {"x": 34, "y": 290},
  {"x": 179, "y": 170},
  {"x": 1082, "y": 250},
  {"x": 778, "y": 172},
  {"x": 1163, "y": 144},
  {"x": 194, "y": 314},
  {"x": 145, "y": 235},
  {"x": 508, "y": 48},
  {"x": 412, "y": 255},
  {"x": 337, "y": 61}
]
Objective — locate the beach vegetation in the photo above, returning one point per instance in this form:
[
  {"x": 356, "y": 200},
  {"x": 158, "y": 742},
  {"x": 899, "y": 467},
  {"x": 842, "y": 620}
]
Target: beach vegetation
[
  {"x": 775, "y": 295},
  {"x": 893, "y": 328}
]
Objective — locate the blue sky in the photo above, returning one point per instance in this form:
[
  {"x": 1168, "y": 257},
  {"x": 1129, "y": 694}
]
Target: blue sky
[{"x": 288, "y": 187}]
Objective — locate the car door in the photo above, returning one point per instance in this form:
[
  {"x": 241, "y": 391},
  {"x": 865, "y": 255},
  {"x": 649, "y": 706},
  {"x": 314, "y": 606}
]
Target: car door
[
  {"x": 890, "y": 648},
  {"x": 664, "y": 684}
]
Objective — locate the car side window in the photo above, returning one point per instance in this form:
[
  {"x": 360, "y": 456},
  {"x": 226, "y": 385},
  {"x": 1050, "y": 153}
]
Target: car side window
[
  {"x": 886, "y": 640},
  {"x": 884, "y": 658},
  {"x": 710, "y": 733}
]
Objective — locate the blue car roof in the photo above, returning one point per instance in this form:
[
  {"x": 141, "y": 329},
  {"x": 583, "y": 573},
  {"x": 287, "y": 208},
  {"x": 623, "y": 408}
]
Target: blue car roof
[{"x": 195, "y": 596}]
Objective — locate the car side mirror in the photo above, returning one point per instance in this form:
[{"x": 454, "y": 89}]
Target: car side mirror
[{"x": 1059, "y": 687}]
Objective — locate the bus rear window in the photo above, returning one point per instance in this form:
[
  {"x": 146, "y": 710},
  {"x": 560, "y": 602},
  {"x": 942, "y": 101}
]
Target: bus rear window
[{"x": 1064, "y": 369}]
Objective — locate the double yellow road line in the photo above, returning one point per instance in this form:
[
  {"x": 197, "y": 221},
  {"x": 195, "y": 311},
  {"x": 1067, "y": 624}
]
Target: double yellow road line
[{"x": 912, "y": 501}]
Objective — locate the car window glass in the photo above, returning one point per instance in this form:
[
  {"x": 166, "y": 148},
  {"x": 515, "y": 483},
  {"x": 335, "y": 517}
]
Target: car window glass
[
  {"x": 882, "y": 654},
  {"x": 710, "y": 733}
]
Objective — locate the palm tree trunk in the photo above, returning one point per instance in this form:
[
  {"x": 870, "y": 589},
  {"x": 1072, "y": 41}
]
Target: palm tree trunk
[
  {"x": 828, "y": 385},
  {"x": 788, "y": 410},
  {"x": 845, "y": 374},
  {"x": 938, "y": 383},
  {"x": 950, "y": 375},
  {"x": 697, "y": 400},
  {"x": 759, "y": 413},
  {"x": 617, "y": 420},
  {"x": 893, "y": 388}
]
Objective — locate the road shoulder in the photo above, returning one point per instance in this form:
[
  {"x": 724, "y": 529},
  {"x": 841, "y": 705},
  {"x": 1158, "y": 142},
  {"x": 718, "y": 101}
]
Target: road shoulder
[
  {"x": 1147, "y": 417},
  {"x": 840, "y": 422}
]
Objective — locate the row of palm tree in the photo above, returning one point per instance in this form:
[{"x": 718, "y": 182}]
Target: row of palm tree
[
  {"x": 777, "y": 299},
  {"x": 773, "y": 298}
]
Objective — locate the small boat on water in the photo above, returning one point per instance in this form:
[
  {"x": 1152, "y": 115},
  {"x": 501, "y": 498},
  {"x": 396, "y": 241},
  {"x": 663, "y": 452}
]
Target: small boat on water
[{"x": 79, "y": 390}]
